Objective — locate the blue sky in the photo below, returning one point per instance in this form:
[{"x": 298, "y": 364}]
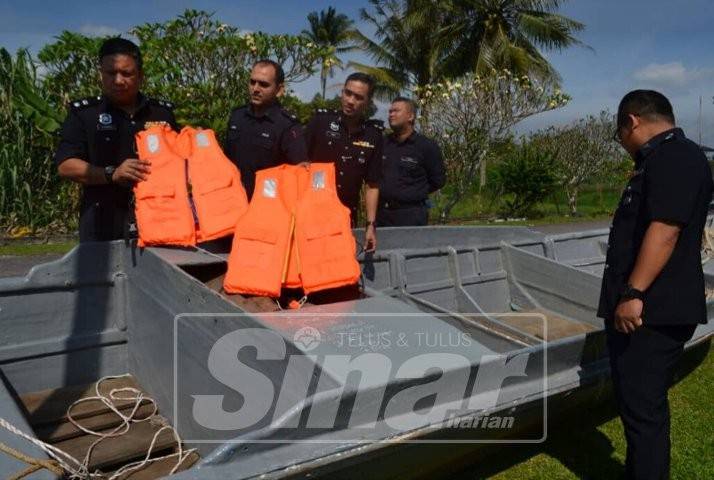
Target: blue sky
[{"x": 666, "y": 45}]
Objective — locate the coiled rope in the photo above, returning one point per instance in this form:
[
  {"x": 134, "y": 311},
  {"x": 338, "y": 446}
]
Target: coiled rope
[{"x": 64, "y": 463}]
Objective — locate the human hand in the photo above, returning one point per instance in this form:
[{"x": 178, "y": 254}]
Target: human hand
[
  {"x": 130, "y": 171},
  {"x": 628, "y": 315}
]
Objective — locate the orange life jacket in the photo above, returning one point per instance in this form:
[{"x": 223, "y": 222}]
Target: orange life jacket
[
  {"x": 296, "y": 234},
  {"x": 218, "y": 194},
  {"x": 193, "y": 193},
  {"x": 163, "y": 216},
  {"x": 323, "y": 235}
]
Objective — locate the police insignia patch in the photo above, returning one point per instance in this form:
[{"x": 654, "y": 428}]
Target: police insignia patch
[
  {"x": 157, "y": 123},
  {"x": 334, "y": 126},
  {"x": 105, "y": 119}
]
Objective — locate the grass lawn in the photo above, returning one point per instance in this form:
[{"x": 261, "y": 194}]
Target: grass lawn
[
  {"x": 22, "y": 249},
  {"x": 596, "y": 449},
  {"x": 593, "y": 204}
]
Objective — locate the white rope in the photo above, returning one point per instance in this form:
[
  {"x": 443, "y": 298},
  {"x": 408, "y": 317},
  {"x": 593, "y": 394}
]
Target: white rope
[
  {"x": 80, "y": 470},
  {"x": 62, "y": 457}
]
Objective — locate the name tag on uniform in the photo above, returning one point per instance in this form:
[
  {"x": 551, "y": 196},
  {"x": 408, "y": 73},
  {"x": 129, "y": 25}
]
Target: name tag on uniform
[
  {"x": 409, "y": 160},
  {"x": 363, "y": 144},
  {"x": 157, "y": 123},
  {"x": 332, "y": 134}
]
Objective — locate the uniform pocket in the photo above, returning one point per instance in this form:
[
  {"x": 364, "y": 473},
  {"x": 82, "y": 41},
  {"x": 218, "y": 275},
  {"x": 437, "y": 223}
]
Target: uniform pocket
[
  {"x": 217, "y": 205},
  {"x": 410, "y": 170},
  {"x": 263, "y": 142},
  {"x": 632, "y": 196},
  {"x": 257, "y": 248}
]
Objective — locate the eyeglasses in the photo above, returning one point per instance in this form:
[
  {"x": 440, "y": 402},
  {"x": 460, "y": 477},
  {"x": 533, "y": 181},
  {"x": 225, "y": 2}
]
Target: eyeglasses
[{"x": 616, "y": 135}]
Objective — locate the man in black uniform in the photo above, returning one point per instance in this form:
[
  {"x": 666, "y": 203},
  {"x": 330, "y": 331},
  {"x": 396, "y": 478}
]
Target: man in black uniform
[
  {"x": 262, "y": 134},
  {"x": 412, "y": 169},
  {"x": 97, "y": 147},
  {"x": 653, "y": 287},
  {"x": 354, "y": 145}
]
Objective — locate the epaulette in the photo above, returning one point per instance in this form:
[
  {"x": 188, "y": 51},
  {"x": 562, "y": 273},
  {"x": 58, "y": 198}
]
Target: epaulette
[
  {"x": 325, "y": 111},
  {"x": 378, "y": 124},
  {"x": 85, "y": 102},
  {"x": 161, "y": 103},
  {"x": 289, "y": 115}
]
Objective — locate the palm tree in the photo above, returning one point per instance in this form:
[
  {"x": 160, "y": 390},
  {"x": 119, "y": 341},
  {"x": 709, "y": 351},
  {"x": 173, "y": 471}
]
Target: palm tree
[
  {"x": 329, "y": 29},
  {"x": 407, "y": 53},
  {"x": 418, "y": 42},
  {"x": 510, "y": 34}
]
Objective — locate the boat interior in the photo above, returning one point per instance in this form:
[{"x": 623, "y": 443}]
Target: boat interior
[{"x": 108, "y": 310}]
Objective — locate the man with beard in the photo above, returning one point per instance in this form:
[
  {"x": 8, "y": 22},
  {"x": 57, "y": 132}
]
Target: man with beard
[{"x": 262, "y": 134}]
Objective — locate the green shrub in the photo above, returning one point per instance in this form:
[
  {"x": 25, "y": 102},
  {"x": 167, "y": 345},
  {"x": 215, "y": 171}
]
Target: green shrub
[{"x": 524, "y": 178}]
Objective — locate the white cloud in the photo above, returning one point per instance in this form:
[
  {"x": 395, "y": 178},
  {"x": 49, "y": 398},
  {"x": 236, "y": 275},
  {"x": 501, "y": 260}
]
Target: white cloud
[
  {"x": 94, "y": 30},
  {"x": 674, "y": 75}
]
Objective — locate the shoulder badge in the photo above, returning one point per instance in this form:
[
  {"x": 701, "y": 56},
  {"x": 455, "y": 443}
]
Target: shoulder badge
[
  {"x": 85, "y": 102},
  {"x": 325, "y": 111},
  {"x": 162, "y": 103},
  {"x": 289, "y": 115},
  {"x": 378, "y": 124}
]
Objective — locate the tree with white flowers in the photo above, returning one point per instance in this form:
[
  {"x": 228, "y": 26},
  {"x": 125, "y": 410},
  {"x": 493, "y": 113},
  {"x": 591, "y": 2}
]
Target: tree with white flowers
[
  {"x": 467, "y": 117},
  {"x": 582, "y": 150}
]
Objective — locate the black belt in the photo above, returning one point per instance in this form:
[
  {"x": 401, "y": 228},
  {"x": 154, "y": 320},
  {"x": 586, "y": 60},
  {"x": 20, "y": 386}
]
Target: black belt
[{"x": 396, "y": 205}]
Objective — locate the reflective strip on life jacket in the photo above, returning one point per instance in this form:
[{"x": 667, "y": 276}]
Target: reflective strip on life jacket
[
  {"x": 323, "y": 235},
  {"x": 259, "y": 255},
  {"x": 162, "y": 215}
]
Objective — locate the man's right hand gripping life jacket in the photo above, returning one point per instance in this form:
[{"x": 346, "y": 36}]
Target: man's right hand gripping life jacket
[
  {"x": 296, "y": 234},
  {"x": 193, "y": 193}
]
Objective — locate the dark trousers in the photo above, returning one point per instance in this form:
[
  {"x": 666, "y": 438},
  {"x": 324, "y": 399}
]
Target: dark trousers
[
  {"x": 643, "y": 365},
  {"x": 403, "y": 217}
]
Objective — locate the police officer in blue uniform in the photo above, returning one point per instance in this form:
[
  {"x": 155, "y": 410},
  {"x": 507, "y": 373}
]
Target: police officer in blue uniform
[
  {"x": 652, "y": 294},
  {"x": 354, "y": 144},
  {"x": 263, "y": 134},
  {"x": 412, "y": 169},
  {"x": 97, "y": 147}
]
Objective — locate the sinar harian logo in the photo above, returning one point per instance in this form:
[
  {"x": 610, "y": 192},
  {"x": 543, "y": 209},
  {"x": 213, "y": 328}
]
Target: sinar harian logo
[{"x": 307, "y": 338}]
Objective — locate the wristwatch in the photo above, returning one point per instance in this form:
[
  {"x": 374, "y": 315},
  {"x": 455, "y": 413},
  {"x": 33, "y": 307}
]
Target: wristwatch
[
  {"x": 109, "y": 173},
  {"x": 629, "y": 292},
  {"x": 369, "y": 224}
]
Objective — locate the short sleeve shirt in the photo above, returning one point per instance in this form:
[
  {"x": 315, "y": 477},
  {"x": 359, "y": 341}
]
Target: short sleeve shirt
[
  {"x": 672, "y": 183},
  {"x": 257, "y": 142},
  {"x": 357, "y": 155},
  {"x": 103, "y": 135},
  {"x": 412, "y": 169}
]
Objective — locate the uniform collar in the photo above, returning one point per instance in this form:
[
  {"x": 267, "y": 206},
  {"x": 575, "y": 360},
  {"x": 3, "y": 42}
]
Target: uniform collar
[
  {"x": 654, "y": 142},
  {"x": 360, "y": 127},
  {"x": 141, "y": 102},
  {"x": 271, "y": 113},
  {"x": 410, "y": 139}
]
